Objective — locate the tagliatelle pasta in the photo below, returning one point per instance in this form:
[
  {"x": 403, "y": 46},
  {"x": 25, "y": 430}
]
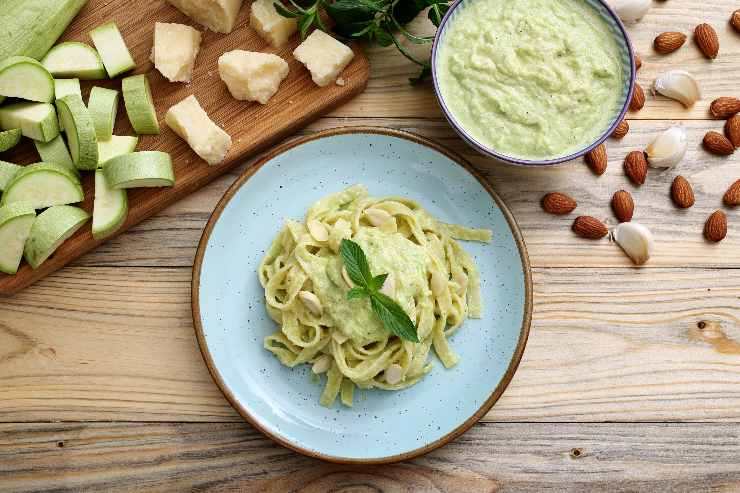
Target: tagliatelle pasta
[{"x": 430, "y": 276}]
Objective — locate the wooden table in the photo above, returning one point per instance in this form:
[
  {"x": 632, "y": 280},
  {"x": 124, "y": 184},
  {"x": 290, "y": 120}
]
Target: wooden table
[{"x": 103, "y": 386}]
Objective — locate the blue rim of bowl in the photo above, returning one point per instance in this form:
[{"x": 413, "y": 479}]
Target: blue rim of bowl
[
  {"x": 483, "y": 149},
  {"x": 516, "y": 357}
]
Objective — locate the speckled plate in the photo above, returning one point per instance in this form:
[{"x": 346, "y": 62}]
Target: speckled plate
[{"x": 231, "y": 321}]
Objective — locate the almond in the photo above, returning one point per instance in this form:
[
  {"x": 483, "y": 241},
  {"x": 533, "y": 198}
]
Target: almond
[
  {"x": 716, "y": 143},
  {"x": 706, "y": 38},
  {"x": 558, "y": 203},
  {"x": 732, "y": 195},
  {"x": 638, "y": 98},
  {"x": 682, "y": 193},
  {"x": 589, "y": 227},
  {"x": 732, "y": 130},
  {"x": 735, "y": 20},
  {"x": 724, "y": 107},
  {"x": 596, "y": 159},
  {"x": 623, "y": 206},
  {"x": 715, "y": 229},
  {"x": 669, "y": 42},
  {"x": 638, "y": 62},
  {"x": 621, "y": 130},
  {"x": 635, "y": 166}
]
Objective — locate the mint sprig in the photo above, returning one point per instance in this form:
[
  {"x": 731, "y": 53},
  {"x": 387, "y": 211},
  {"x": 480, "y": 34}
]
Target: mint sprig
[{"x": 394, "y": 318}]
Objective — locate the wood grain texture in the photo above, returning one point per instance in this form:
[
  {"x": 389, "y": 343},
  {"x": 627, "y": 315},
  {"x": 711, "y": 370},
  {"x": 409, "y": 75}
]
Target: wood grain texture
[
  {"x": 489, "y": 458},
  {"x": 389, "y": 81},
  {"x": 605, "y": 345},
  {"x": 252, "y": 126},
  {"x": 170, "y": 238}
]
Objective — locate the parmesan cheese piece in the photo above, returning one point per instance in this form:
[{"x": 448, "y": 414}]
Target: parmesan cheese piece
[
  {"x": 273, "y": 27},
  {"x": 217, "y": 15},
  {"x": 174, "y": 51},
  {"x": 323, "y": 56},
  {"x": 188, "y": 120},
  {"x": 252, "y": 76}
]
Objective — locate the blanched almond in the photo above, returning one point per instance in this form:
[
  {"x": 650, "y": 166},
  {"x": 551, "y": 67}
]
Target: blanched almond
[
  {"x": 393, "y": 374},
  {"x": 322, "y": 364},
  {"x": 317, "y": 230},
  {"x": 311, "y": 302},
  {"x": 377, "y": 217}
]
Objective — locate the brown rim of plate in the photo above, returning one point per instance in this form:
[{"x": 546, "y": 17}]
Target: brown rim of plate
[{"x": 242, "y": 179}]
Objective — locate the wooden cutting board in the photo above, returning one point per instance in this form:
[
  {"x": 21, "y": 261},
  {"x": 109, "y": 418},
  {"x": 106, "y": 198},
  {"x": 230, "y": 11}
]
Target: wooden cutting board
[{"x": 252, "y": 127}]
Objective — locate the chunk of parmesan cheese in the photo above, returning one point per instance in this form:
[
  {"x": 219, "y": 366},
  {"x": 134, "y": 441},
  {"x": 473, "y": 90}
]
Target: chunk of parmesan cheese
[
  {"x": 174, "y": 51},
  {"x": 323, "y": 56},
  {"x": 217, "y": 15},
  {"x": 188, "y": 120},
  {"x": 252, "y": 76},
  {"x": 271, "y": 26}
]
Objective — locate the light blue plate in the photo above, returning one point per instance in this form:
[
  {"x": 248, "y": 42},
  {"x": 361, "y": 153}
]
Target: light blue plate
[{"x": 231, "y": 321}]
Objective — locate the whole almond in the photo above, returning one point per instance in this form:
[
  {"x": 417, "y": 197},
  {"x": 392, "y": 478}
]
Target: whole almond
[
  {"x": 669, "y": 42},
  {"x": 707, "y": 40},
  {"x": 638, "y": 98},
  {"x": 638, "y": 62},
  {"x": 589, "y": 227},
  {"x": 715, "y": 229},
  {"x": 623, "y": 206},
  {"x": 621, "y": 130},
  {"x": 635, "y": 166},
  {"x": 596, "y": 159},
  {"x": 682, "y": 193},
  {"x": 558, "y": 203},
  {"x": 718, "y": 144},
  {"x": 735, "y": 20},
  {"x": 724, "y": 107},
  {"x": 732, "y": 195},
  {"x": 732, "y": 130}
]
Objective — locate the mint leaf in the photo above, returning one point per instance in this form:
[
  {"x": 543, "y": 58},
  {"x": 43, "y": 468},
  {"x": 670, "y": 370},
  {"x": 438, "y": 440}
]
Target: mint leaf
[
  {"x": 356, "y": 263},
  {"x": 357, "y": 293},
  {"x": 393, "y": 317},
  {"x": 377, "y": 282}
]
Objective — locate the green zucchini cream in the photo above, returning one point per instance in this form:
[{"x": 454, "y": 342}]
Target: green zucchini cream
[{"x": 530, "y": 79}]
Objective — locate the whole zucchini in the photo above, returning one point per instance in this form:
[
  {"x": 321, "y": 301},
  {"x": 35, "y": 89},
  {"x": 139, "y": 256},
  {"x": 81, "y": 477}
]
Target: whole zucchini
[{"x": 31, "y": 27}]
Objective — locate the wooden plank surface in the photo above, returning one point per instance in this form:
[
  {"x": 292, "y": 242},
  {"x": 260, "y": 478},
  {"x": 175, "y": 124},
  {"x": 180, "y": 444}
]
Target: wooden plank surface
[
  {"x": 252, "y": 126},
  {"x": 170, "y": 239},
  {"x": 490, "y": 457},
  {"x": 389, "y": 94},
  {"x": 612, "y": 344}
]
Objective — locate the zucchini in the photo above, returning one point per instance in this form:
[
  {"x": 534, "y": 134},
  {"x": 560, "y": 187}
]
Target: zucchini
[
  {"x": 25, "y": 78},
  {"x": 73, "y": 59},
  {"x": 31, "y": 27}
]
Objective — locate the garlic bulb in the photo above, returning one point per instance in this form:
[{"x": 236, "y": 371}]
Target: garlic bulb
[
  {"x": 679, "y": 85},
  {"x": 636, "y": 241},
  {"x": 630, "y": 10},
  {"x": 668, "y": 148}
]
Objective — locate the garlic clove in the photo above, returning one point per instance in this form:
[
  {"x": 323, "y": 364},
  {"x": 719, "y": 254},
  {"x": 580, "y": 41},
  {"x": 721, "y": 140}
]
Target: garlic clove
[
  {"x": 630, "y": 10},
  {"x": 679, "y": 85},
  {"x": 636, "y": 241},
  {"x": 377, "y": 217},
  {"x": 311, "y": 302},
  {"x": 389, "y": 286},
  {"x": 393, "y": 374},
  {"x": 317, "y": 230},
  {"x": 322, "y": 364},
  {"x": 668, "y": 148}
]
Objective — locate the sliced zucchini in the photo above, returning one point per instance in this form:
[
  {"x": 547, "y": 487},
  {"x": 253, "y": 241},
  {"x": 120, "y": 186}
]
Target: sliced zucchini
[
  {"x": 117, "y": 145},
  {"x": 7, "y": 173},
  {"x": 73, "y": 59},
  {"x": 55, "y": 151},
  {"x": 80, "y": 130},
  {"x": 43, "y": 185},
  {"x": 109, "y": 42},
  {"x": 65, "y": 87},
  {"x": 15, "y": 225},
  {"x": 9, "y": 139},
  {"x": 25, "y": 78},
  {"x": 103, "y": 107},
  {"x": 140, "y": 169},
  {"x": 110, "y": 208},
  {"x": 37, "y": 121},
  {"x": 139, "y": 105},
  {"x": 52, "y": 228}
]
